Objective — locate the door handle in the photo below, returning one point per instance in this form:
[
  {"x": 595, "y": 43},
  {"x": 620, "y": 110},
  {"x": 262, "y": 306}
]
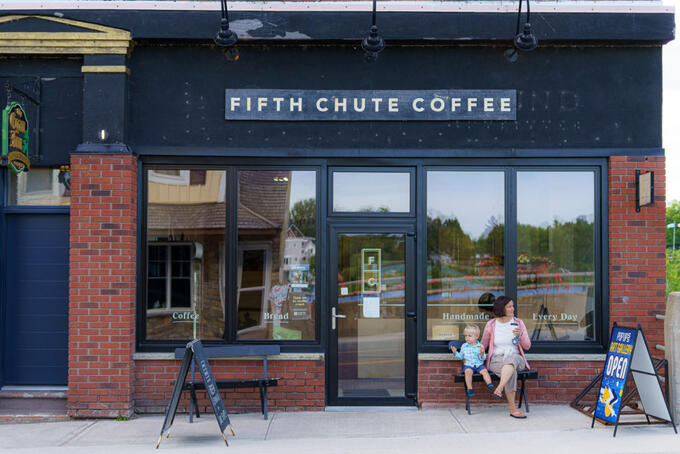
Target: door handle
[
  {"x": 334, "y": 315},
  {"x": 411, "y": 314}
]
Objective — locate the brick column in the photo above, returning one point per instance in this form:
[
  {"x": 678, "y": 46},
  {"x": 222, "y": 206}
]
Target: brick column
[
  {"x": 102, "y": 280},
  {"x": 637, "y": 248}
]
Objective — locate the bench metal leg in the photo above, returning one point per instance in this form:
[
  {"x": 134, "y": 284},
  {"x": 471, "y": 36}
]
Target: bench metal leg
[
  {"x": 467, "y": 402},
  {"x": 523, "y": 394},
  {"x": 195, "y": 402},
  {"x": 263, "y": 400},
  {"x": 266, "y": 404}
]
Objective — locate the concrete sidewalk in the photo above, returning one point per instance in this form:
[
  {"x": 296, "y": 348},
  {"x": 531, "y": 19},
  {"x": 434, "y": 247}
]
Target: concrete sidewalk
[{"x": 548, "y": 430}]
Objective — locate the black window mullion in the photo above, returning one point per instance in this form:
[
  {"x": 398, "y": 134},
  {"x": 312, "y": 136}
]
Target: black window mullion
[
  {"x": 231, "y": 255},
  {"x": 511, "y": 234}
]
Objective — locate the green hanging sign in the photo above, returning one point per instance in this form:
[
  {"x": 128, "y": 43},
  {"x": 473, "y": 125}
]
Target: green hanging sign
[{"x": 15, "y": 138}]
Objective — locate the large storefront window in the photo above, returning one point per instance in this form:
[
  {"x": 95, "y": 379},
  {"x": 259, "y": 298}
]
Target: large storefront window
[
  {"x": 465, "y": 249},
  {"x": 556, "y": 254},
  {"x": 185, "y": 254},
  {"x": 276, "y": 254}
]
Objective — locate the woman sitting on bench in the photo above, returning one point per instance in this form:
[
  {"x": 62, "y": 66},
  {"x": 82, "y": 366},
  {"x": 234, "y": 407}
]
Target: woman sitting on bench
[{"x": 505, "y": 338}]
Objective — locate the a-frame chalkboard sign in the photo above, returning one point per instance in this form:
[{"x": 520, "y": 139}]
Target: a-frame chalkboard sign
[
  {"x": 194, "y": 351},
  {"x": 628, "y": 352}
]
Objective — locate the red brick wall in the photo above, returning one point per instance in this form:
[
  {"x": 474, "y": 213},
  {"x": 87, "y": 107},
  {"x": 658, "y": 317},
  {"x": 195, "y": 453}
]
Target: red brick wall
[
  {"x": 301, "y": 386},
  {"x": 102, "y": 285},
  {"x": 637, "y": 248}
]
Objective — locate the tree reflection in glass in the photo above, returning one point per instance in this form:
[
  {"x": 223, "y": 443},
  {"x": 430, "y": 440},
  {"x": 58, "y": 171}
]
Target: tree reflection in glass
[
  {"x": 556, "y": 254},
  {"x": 465, "y": 247}
]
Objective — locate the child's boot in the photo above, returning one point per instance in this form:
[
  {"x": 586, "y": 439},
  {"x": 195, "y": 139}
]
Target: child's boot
[
  {"x": 490, "y": 387},
  {"x": 470, "y": 392}
]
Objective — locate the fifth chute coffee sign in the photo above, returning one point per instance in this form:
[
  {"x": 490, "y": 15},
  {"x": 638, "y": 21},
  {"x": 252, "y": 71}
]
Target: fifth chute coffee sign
[{"x": 15, "y": 138}]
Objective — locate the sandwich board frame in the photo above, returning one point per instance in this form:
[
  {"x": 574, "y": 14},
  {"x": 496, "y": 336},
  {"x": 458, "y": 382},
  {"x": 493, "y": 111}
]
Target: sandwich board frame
[
  {"x": 628, "y": 354},
  {"x": 194, "y": 352}
]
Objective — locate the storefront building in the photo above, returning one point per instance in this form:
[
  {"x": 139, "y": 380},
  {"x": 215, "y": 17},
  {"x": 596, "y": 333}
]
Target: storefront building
[{"x": 357, "y": 213}]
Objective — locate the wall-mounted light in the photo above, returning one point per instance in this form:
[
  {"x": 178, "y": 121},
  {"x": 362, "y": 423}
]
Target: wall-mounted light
[
  {"x": 524, "y": 41},
  {"x": 373, "y": 44},
  {"x": 225, "y": 38},
  {"x": 103, "y": 135}
]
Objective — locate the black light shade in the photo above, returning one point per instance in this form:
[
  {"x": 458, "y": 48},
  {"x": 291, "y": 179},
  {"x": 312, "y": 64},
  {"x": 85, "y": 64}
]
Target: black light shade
[
  {"x": 373, "y": 43},
  {"x": 225, "y": 38},
  {"x": 526, "y": 41}
]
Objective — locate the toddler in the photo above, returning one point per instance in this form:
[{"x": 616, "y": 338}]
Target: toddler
[{"x": 473, "y": 355}]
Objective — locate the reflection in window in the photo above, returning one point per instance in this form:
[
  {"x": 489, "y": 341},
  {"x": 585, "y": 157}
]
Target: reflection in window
[
  {"x": 465, "y": 241},
  {"x": 170, "y": 275},
  {"x": 371, "y": 192},
  {"x": 277, "y": 254},
  {"x": 556, "y": 254},
  {"x": 185, "y": 254},
  {"x": 40, "y": 186}
]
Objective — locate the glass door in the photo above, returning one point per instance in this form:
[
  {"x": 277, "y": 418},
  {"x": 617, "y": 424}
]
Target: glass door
[{"x": 372, "y": 341}]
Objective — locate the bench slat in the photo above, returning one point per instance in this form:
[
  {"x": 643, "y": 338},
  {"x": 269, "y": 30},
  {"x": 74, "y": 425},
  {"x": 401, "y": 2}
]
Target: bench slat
[
  {"x": 231, "y": 384},
  {"x": 229, "y": 351},
  {"x": 527, "y": 374}
]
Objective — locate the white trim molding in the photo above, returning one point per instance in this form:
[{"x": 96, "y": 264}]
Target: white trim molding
[{"x": 627, "y": 6}]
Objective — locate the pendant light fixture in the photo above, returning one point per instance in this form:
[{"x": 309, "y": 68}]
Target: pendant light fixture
[
  {"x": 225, "y": 38},
  {"x": 524, "y": 41},
  {"x": 373, "y": 43}
]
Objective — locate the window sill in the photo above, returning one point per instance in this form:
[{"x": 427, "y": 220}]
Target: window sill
[
  {"x": 530, "y": 356},
  {"x": 163, "y": 356}
]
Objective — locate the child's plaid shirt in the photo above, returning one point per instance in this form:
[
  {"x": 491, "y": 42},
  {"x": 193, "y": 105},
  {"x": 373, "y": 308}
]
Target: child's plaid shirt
[{"x": 470, "y": 355}]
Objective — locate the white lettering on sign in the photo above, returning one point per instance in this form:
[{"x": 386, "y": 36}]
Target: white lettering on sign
[
  {"x": 319, "y": 107},
  {"x": 296, "y": 104},
  {"x": 447, "y": 104},
  {"x": 623, "y": 336},
  {"x": 617, "y": 367}
]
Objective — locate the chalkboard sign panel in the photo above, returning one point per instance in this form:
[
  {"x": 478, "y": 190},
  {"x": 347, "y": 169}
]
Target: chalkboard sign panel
[{"x": 194, "y": 351}]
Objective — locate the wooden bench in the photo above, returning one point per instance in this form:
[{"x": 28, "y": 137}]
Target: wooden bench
[
  {"x": 522, "y": 376},
  {"x": 234, "y": 351}
]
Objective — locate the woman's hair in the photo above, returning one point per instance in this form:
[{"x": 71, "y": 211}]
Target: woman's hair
[
  {"x": 472, "y": 329},
  {"x": 499, "y": 305}
]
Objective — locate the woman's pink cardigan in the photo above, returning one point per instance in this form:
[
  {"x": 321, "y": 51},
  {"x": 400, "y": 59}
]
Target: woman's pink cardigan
[{"x": 490, "y": 330}]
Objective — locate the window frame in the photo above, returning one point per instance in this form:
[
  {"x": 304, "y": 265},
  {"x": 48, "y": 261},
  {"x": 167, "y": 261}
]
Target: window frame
[
  {"x": 599, "y": 167},
  {"x": 169, "y": 308},
  {"x": 266, "y": 284},
  {"x": 229, "y": 287}
]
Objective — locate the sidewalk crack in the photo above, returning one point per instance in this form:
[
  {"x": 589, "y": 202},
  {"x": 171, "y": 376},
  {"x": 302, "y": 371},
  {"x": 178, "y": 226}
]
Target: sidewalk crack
[
  {"x": 269, "y": 426},
  {"x": 78, "y": 433},
  {"x": 460, "y": 424}
]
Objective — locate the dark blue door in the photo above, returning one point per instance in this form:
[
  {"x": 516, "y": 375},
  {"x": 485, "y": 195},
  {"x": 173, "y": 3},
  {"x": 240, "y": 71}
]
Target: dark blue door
[{"x": 36, "y": 342}]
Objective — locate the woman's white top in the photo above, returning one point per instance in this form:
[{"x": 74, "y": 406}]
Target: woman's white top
[{"x": 502, "y": 339}]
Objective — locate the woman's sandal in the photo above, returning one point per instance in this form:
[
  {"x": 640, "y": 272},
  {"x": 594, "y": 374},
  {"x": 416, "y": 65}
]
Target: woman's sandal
[{"x": 518, "y": 415}]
